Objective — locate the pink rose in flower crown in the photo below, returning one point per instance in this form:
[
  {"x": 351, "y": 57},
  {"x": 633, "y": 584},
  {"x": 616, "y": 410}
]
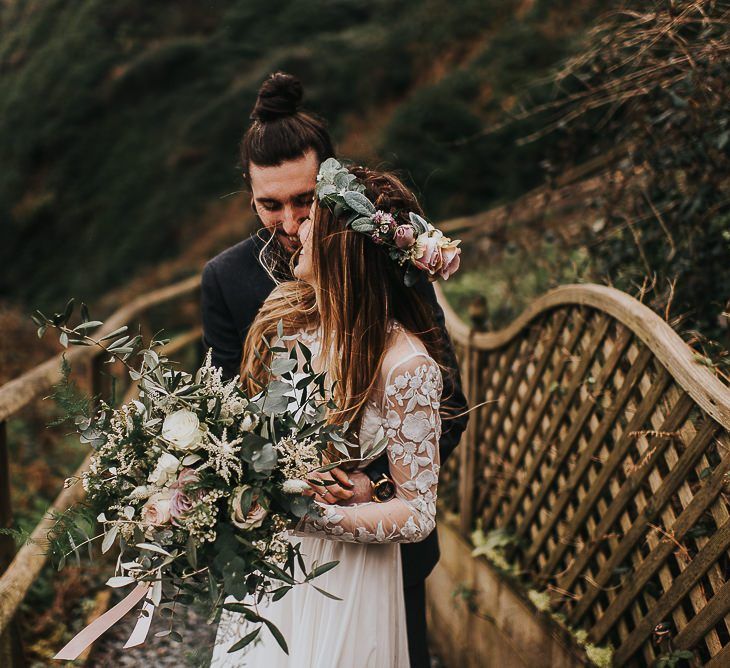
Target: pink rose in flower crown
[
  {"x": 156, "y": 510},
  {"x": 404, "y": 236},
  {"x": 428, "y": 252},
  {"x": 451, "y": 255}
]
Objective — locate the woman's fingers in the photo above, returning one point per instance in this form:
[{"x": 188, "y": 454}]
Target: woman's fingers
[
  {"x": 342, "y": 477},
  {"x": 327, "y": 488}
]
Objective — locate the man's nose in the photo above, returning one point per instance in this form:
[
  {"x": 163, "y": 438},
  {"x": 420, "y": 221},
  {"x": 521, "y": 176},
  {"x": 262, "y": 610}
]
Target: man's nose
[{"x": 291, "y": 220}]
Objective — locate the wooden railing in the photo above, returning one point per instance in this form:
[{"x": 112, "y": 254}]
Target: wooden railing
[
  {"x": 21, "y": 569},
  {"x": 605, "y": 454}
]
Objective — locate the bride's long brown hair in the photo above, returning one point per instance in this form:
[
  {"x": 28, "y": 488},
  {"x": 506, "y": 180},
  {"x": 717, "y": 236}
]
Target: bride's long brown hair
[{"x": 359, "y": 291}]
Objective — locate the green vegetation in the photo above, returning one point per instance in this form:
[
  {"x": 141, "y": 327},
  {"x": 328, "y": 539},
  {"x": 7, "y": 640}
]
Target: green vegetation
[{"x": 119, "y": 122}]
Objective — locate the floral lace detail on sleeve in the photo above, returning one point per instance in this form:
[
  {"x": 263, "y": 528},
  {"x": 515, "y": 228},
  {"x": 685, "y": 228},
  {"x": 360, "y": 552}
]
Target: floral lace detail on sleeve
[{"x": 410, "y": 419}]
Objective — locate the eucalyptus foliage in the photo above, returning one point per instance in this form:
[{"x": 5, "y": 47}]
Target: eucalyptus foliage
[{"x": 193, "y": 484}]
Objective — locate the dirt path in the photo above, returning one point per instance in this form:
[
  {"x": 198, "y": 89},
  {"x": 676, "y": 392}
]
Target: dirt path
[{"x": 194, "y": 650}]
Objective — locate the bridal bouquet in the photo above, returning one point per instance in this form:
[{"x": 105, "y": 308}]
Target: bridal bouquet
[{"x": 193, "y": 483}]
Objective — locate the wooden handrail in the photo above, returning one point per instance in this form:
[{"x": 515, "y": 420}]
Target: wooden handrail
[
  {"x": 674, "y": 354},
  {"x": 19, "y": 392}
]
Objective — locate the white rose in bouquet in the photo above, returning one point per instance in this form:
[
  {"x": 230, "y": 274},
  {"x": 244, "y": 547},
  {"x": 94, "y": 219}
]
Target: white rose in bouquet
[
  {"x": 165, "y": 469},
  {"x": 182, "y": 429},
  {"x": 256, "y": 513},
  {"x": 157, "y": 509}
]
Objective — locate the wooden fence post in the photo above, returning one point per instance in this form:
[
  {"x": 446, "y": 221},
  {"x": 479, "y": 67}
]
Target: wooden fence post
[
  {"x": 11, "y": 646},
  {"x": 468, "y": 454}
]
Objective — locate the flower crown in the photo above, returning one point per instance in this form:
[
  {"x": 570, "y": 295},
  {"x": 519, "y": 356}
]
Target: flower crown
[{"x": 418, "y": 246}]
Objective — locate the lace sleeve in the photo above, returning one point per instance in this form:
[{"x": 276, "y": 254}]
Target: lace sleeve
[{"x": 410, "y": 418}]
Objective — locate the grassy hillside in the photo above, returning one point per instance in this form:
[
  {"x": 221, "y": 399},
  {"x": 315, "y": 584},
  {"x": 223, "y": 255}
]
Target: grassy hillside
[{"x": 119, "y": 122}]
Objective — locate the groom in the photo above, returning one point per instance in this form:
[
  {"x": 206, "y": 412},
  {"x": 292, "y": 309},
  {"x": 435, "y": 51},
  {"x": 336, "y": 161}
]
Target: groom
[{"x": 281, "y": 152}]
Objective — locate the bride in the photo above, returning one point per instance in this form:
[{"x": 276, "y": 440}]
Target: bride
[{"x": 364, "y": 243}]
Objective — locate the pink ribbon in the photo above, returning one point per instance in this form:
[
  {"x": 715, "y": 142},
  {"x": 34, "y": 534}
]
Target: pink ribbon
[{"x": 102, "y": 624}]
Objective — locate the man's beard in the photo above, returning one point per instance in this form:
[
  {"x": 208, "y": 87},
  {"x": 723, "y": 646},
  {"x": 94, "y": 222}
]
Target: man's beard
[{"x": 276, "y": 258}]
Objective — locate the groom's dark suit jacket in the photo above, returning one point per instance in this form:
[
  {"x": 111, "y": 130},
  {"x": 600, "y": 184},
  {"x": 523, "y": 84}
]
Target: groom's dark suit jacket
[{"x": 235, "y": 286}]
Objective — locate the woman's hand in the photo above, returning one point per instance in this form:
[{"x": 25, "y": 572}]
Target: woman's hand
[
  {"x": 332, "y": 486},
  {"x": 337, "y": 487},
  {"x": 362, "y": 489}
]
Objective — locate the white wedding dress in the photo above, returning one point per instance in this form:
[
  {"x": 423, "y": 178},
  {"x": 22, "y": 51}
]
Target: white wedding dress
[{"x": 367, "y": 628}]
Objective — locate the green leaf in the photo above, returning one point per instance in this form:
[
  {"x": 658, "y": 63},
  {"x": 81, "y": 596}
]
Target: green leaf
[
  {"x": 109, "y": 538},
  {"x": 321, "y": 570},
  {"x": 281, "y": 366},
  {"x": 118, "y": 342},
  {"x": 265, "y": 459},
  {"x": 88, "y": 325},
  {"x": 153, "y": 548},
  {"x": 362, "y": 225},
  {"x": 277, "y": 635},
  {"x": 358, "y": 202},
  {"x": 327, "y": 594},
  {"x": 279, "y": 573},
  {"x": 116, "y": 332},
  {"x": 248, "y": 638},
  {"x": 419, "y": 223},
  {"x": 280, "y": 592},
  {"x": 192, "y": 552},
  {"x": 63, "y": 339},
  {"x": 68, "y": 311}
]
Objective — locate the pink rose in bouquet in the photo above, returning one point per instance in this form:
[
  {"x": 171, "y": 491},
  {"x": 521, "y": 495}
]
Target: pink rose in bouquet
[
  {"x": 156, "y": 509},
  {"x": 182, "y": 501}
]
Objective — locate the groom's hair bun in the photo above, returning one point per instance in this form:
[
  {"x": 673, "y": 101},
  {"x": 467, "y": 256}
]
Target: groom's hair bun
[
  {"x": 280, "y": 130},
  {"x": 279, "y": 96}
]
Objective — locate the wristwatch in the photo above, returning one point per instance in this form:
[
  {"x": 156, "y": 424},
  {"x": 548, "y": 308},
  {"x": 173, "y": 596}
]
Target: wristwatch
[{"x": 382, "y": 485}]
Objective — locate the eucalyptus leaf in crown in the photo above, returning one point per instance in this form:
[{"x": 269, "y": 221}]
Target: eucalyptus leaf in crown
[
  {"x": 194, "y": 483},
  {"x": 416, "y": 245}
]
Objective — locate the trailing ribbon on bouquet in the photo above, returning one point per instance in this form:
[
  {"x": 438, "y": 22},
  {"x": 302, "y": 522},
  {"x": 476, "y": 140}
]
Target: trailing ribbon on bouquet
[{"x": 99, "y": 626}]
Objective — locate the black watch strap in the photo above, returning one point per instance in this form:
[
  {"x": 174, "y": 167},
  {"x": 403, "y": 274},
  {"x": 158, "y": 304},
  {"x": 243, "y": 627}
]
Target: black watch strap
[{"x": 383, "y": 486}]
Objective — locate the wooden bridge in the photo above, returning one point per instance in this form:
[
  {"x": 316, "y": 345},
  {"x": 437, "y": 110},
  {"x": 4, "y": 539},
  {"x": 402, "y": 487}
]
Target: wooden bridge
[{"x": 601, "y": 463}]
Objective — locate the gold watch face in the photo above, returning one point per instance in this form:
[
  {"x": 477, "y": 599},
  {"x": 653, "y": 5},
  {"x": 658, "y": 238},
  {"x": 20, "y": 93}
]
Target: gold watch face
[{"x": 383, "y": 490}]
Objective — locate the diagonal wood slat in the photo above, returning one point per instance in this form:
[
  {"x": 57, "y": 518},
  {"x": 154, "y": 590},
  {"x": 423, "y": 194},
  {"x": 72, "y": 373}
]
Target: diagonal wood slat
[
  {"x": 707, "y": 556},
  {"x": 586, "y": 408},
  {"x": 640, "y": 526},
  {"x": 587, "y": 456},
  {"x": 547, "y": 353},
  {"x": 539, "y": 413},
  {"x": 656, "y": 447}
]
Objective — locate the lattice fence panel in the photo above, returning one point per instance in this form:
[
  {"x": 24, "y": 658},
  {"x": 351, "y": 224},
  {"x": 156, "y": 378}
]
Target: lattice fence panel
[{"x": 612, "y": 480}]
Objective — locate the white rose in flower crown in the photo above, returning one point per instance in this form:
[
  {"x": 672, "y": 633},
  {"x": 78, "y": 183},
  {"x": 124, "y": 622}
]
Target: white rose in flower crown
[
  {"x": 256, "y": 513},
  {"x": 182, "y": 429},
  {"x": 156, "y": 510},
  {"x": 165, "y": 469}
]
